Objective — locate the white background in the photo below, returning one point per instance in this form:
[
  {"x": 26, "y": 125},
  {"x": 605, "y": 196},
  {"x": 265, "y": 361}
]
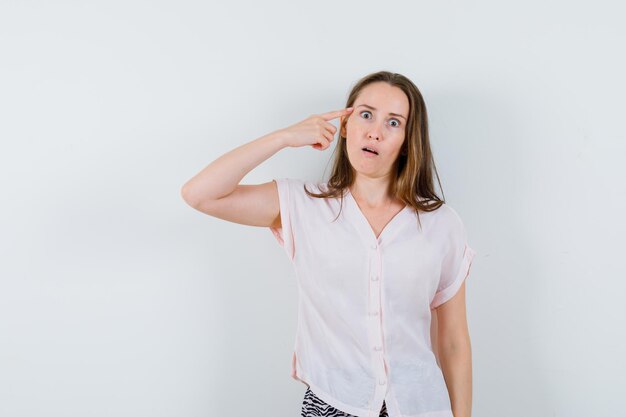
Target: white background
[{"x": 118, "y": 299}]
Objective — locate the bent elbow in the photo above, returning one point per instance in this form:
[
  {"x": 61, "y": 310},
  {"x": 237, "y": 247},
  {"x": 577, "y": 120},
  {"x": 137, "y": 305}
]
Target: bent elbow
[{"x": 187, "y": 196}]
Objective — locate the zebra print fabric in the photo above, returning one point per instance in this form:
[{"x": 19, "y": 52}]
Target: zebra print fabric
[{"x": 313, "y": 406}]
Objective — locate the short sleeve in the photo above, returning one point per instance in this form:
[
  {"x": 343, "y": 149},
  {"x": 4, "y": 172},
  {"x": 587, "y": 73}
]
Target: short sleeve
[
  {"x": 285, "y": 234},
  {"x": 456, "y": 261}
]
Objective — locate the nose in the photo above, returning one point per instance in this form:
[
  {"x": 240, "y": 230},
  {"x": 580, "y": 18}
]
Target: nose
[
  {"x": 374, "y": 134},
  {"x": 375, "y": 130}
]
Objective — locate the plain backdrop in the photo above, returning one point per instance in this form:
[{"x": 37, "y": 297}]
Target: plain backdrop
[{"x": 118, "y": 299}]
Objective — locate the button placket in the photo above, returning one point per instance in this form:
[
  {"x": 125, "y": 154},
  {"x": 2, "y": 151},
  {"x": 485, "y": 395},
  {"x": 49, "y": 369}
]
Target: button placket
[
  {"x": 376, "y": 338},
  {"x": 374, "y": 284}
]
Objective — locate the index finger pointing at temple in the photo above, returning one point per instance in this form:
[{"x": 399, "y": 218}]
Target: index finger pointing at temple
[{"x": 337, "y": 113}]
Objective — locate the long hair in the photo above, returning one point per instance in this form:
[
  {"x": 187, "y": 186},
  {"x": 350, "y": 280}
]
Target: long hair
[{"x": 414, "y": 167}]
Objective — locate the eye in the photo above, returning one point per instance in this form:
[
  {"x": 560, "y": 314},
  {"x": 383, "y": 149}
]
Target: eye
[
  {"x": 392, "y": 120},
  {"x": 365, "y": 111}
]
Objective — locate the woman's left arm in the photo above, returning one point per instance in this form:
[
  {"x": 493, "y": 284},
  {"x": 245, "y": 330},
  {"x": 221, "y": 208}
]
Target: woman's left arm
[{"x": 455, "y": 353}]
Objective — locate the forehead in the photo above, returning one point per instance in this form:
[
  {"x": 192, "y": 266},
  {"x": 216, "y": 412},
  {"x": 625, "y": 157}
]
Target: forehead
[{"x": 385, "y": 97}]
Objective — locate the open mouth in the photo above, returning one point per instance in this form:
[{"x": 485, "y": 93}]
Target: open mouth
[{"x": 369, "y": 150}]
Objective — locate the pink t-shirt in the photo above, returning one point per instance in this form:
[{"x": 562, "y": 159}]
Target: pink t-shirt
[{"x": 364, "y": 304}]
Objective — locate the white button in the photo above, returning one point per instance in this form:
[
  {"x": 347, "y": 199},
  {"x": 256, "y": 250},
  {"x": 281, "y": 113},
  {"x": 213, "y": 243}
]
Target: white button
[
  {"x": 378, "y": 348},
  {"x": 374, "y": 277},
  {"x": 382, "y": 382},
  {"x": 374, "y": 313},
  {"x": 374, "y": 246}
]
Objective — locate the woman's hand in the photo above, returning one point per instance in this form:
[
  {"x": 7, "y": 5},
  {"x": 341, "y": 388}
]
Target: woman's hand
[{"x": 315, "y": 131}]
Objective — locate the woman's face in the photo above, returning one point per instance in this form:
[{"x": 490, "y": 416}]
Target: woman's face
[{"x": 378, "y": 121}]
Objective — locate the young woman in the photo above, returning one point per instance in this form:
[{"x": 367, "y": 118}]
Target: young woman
[{"x": 380, "y": 259}]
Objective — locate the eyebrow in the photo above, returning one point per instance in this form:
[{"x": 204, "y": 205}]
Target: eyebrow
[{"x": 392, "y": 114}]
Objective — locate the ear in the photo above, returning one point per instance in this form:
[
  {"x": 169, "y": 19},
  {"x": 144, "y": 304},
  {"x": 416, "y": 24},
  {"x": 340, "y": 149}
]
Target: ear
[{"x": 342, "y": 127}]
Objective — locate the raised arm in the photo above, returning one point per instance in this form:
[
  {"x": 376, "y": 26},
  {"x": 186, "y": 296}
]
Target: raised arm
[{"x": 216, "y": 190}]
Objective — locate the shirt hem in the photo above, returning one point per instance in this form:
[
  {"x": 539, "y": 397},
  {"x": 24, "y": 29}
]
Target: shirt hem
[{"x": 333, "y": 402}]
